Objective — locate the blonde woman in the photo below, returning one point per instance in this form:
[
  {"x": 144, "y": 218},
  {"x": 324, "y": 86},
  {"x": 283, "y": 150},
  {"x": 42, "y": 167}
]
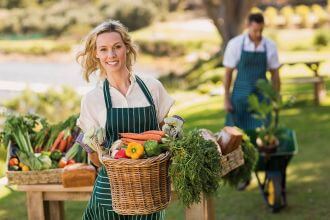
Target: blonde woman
[{"x": 121, "y": 102}]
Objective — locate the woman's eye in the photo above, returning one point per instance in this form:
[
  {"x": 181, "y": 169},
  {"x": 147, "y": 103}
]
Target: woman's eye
[
  {"x": 103, "y": 49},
  {"x": 118, "y": 47}
]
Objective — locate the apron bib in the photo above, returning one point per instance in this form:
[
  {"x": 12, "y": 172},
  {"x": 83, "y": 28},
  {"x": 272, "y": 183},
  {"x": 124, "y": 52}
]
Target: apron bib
[
  {"x": 120, "y": 120},
  {"x": 251, "y": 67}
]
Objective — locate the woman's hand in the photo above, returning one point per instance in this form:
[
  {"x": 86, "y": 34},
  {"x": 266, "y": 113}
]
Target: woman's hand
[{"x": 228, "y": 106}]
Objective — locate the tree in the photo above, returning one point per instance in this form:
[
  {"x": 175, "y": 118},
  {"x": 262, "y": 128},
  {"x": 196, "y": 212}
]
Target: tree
[{"x": 228, "y": 16}]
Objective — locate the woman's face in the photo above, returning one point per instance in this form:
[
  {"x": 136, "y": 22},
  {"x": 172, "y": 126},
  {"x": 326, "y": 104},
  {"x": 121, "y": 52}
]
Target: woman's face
[{"x": 111, "y": 51}]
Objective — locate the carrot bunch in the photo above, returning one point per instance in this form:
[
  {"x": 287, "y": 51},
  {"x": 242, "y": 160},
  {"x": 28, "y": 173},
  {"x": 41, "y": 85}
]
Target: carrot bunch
[
  {"x": 63, "y": 141},
  {"x": 142, "y": 137}
]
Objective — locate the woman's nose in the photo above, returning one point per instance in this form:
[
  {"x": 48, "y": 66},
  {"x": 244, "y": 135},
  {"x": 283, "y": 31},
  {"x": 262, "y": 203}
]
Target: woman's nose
[{"x": 112, "y": 53}]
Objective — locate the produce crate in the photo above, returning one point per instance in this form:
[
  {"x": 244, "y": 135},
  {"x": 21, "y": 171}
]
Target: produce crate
[
  {"x": 231, "y": 161},
  {"x": 53, "y": 176}
]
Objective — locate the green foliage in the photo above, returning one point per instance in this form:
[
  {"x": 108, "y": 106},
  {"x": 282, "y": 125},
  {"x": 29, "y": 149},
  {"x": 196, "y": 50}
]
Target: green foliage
[
  {"x": 243, "y": 173},
  {"x": 65, "y": 17},
  {"x": 322, "y": 38},
  {"x": 133, "y": 14},
  {"x": 34, "y": 47},
  {"x": 161, "y": 47},
  {"x": 267, "y": 110},
  {"x": 16, "y": 128},
  {"x": 53, "y": 105},
  {"x": 195, "y": 167}
]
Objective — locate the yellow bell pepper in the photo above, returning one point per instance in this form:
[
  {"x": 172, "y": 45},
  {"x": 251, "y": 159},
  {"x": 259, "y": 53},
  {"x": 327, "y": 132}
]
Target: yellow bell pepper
[{"x": 134, "y": 150}]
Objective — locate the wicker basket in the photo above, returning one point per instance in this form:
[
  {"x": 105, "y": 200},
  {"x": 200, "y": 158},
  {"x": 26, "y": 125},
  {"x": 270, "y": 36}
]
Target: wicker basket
[
  {"x": 35, "y": 177},
  {"x": 141, "y": 186},
  {"x": 231, "y": 161}
]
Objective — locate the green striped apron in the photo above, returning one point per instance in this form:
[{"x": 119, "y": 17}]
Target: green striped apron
[
  {"x": 120, "y": 120},
  {"x": 251, "y": 67}
]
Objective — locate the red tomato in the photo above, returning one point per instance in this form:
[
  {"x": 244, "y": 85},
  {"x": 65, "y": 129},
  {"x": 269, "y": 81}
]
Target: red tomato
[
  {"x": 13, "y": 162},
  {"x": 72, "y": 161},
  {"x": 62, "y": 163}
]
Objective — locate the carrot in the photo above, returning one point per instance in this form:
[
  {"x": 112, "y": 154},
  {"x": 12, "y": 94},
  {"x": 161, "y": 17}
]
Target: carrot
[
  {"x": 63, "y": 144},
  {"x": 161, "y": 133},
  {"x": 57, "y": 141},
  {"x": 69, "y": 144},
  {"x": 143, "y": 137},
  {"x": 129, "y": 140}
]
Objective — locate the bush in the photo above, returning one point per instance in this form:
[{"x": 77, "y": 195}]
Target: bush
[
  {"x": 270, "y": 16},
  {"x": 31, "y": 22},
  {"x": 320, "y": 13},
  {"x": 161, "y": 47},
  {"x": 133, "y": 14},
  {"x": 55, "y": 25},
  {"x": 53, "y": 105},
  {"x": 303, "y": 11},
  {"x": 322, "y": 38},
  {"x": 288, "y": 13}
]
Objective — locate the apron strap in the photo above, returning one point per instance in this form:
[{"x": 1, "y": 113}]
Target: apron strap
[
  {"x": 106, "y": 93},
  {"x": 107, "y": 97}
]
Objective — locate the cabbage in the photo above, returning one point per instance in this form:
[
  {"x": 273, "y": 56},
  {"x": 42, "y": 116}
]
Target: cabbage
[{"x": 45, "y": 161}]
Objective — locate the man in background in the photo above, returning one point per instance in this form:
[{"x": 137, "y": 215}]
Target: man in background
[{"x": 252, "y": 55}]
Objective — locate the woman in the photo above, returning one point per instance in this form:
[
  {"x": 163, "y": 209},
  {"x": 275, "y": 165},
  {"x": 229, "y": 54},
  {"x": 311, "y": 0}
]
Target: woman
[{"x": 121, "y": 102}]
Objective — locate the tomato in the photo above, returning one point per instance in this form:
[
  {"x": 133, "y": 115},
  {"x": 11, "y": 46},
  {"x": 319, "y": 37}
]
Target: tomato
[
  {"x": 13, "y": 161},
  {"x": 72, "y": 161},
  {"x": 62, "y": 163}
]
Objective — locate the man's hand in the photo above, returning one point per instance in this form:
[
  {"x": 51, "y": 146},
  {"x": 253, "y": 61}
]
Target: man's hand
[{"x": 228, "y": 106}]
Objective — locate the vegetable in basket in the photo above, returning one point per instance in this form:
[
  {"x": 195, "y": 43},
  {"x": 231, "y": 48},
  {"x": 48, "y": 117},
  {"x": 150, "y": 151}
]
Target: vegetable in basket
[
  {"x": 152, "y": 148},
  {"x": 134, "y": 150}
]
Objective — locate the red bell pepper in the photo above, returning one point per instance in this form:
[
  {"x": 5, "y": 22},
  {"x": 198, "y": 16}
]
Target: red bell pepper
[{"x": 121, "y": 154}]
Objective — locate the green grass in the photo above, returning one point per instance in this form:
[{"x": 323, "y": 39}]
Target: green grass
[
  {"x": 34, "y": 46},
  {"x": 308, "y": 173}
]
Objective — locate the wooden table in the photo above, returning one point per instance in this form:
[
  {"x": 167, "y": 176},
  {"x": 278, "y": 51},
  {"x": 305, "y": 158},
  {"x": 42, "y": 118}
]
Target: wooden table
[
  {"x": 46, "y": 202},
  {"x": 316, "y": 79}
]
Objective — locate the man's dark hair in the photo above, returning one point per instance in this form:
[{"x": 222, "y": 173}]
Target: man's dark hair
[{"x": 256, "y": 17}]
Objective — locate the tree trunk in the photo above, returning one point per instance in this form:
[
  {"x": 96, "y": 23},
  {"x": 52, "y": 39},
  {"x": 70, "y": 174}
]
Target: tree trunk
[{"x": 228, "y": 16}]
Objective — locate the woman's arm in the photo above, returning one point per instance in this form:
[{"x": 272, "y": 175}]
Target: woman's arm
[{"x": 95, "y": 159}]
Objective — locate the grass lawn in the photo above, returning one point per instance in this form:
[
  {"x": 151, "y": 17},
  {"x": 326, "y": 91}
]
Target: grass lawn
[{"x": 308, "y": 173}]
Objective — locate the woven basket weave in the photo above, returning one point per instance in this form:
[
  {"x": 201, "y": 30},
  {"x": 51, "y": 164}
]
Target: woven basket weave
[
  {"x": 35, "y": 177},
  {"x": 231, "y": 161},
  {"x": 141, "y": 186}
]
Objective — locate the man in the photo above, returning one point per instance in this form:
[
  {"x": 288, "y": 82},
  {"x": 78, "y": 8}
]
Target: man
[{"x": 251, "y": 55}]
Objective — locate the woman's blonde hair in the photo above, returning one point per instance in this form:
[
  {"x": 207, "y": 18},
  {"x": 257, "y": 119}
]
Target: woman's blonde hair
[{"x": 87, "y": 56}]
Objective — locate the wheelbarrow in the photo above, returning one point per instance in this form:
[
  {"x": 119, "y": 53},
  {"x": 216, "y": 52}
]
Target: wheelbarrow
[{"x": 273, "y": 185}]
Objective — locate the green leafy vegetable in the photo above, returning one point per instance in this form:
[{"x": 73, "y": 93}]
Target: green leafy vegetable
[
  {"x": 195, "y": 167},
  {"x": 243, "y": 173}
]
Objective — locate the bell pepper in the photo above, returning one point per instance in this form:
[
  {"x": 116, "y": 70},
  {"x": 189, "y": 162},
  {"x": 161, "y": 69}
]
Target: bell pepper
[
  {"x": 121, "y": 154},
  {"x": 152, "y": 148},
  {"x": 56, "y": 155},
  {"x": 134, "y": 150}
]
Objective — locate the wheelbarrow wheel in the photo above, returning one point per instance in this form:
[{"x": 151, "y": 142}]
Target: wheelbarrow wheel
[{"x": 273, "y": 192}]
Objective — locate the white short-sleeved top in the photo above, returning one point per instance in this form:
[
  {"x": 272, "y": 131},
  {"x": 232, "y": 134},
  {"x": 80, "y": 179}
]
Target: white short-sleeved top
[
  {"x": 93, "y": 109},
  {"x": 234, "y": 49}
]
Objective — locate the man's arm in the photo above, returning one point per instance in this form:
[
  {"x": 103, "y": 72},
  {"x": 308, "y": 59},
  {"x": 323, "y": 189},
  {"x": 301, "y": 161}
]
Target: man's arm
[
  {"x": 227, "y": 82},
  {"x": 276, "y": 82}
]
